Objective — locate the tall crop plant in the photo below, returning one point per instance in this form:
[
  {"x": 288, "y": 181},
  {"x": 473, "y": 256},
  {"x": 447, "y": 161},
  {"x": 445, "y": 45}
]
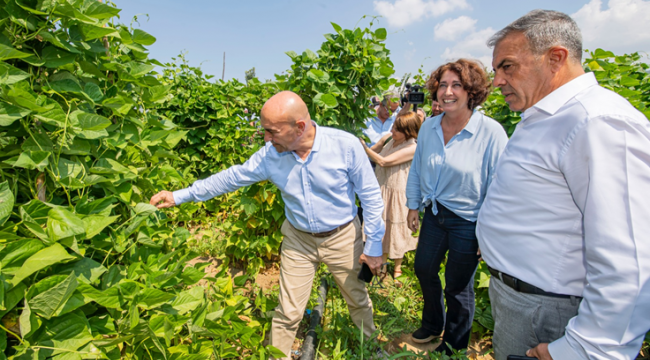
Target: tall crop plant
[
  {"x": 88, "y": 269},
  {"x": 338, "y": 80},
  {"x": 217, "y": 118}
]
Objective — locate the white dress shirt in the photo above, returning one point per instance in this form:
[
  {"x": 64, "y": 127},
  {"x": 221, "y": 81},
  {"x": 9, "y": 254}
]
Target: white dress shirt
[{"x": 569, "y": 212}]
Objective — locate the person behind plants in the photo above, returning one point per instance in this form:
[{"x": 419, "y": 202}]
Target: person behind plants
[
  {"x": 451, "y": 171},
  {"x": 380, "y": 125},
  {"x": 318, "y": 171},
  {"x": 393, "y": 162},
  {"x": 421, "y": 115},
  {"x": 436, "y": 109}
]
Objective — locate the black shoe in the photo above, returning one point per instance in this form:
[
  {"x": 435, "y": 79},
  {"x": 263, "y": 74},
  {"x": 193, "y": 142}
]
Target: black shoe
[
  {"x": 444, "y": 349},
  {"x": 423, "y": 336},
  {"x": 380, "y": 354}
]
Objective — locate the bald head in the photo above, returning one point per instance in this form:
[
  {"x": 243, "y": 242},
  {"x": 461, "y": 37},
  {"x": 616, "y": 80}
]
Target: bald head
[
  {"x": 287, "y": 124},
  {"x": 285, "y": 106}
]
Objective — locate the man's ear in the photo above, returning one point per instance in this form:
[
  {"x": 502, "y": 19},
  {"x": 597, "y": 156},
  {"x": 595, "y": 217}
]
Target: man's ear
[
  {"x": 557, "y": 58},
  {"x": 301, "y": 125}
]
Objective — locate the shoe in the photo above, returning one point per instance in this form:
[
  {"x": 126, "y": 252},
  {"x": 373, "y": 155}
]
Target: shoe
[
  {"x": 380, "y": 354},
  {"x": 396, "y": 274},
  {"x": 444, "y": 349},
  {"x": 422, "y": 336}
]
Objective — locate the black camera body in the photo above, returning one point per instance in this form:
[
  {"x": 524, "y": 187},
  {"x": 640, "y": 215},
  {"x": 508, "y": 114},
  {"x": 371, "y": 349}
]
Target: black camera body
[{"x": 413, "y": 95}]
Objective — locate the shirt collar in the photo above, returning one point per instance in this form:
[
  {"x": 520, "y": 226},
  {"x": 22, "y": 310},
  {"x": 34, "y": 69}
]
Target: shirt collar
[
  {"x": 318, "y": 139},
  {"x": 552, "y": 102},
  {"x": 470, "y": 127},
  {"x": 378, "y": 121}
]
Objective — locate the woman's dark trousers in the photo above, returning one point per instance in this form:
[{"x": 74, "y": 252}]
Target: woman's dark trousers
[{"x": 440, "y": 233}]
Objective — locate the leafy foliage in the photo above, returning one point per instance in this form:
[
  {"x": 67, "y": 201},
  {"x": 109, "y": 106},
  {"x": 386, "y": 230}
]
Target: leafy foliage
[
  {"x": 623, "y": 74},
  {"x": 88, "y": 131},
  {"x": 338, "y": 80},
  {"x": 89, "y": 269},
  {"x": 223, "y": 130}
]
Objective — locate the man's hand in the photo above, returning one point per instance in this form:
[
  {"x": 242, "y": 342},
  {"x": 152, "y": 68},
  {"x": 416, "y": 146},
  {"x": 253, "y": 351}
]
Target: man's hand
[
  {"x": 374, "y": 263},
  {"x": 413, "y": 220},
  {"x": 540, "y": 351},
  {"x": 163, "y": 199}
]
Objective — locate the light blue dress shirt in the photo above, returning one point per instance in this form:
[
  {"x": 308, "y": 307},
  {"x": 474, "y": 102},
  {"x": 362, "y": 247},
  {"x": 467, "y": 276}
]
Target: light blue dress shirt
[
  {"x": 318, "y": 192},
  {"x": 456, "y": 175},
  {"x": 375, "y": 129}
]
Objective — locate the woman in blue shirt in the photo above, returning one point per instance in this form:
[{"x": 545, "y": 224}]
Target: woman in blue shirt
[{"x": 453, "y": 165}]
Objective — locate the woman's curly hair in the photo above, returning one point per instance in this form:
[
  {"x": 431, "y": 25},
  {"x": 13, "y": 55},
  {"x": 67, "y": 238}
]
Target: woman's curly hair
[{"x": 472, "y": 75}]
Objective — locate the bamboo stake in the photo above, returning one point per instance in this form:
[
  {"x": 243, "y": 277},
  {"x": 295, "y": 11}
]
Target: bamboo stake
[{"x": 40, "y": 187}]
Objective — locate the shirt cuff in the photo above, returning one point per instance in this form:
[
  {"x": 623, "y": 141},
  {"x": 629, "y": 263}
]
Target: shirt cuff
[
  {"x": 413, "y": 204},
  {"x": 560, "y": 350},
  {"x": 182, "y": 196},
  {"x": 373, "y": 248}
]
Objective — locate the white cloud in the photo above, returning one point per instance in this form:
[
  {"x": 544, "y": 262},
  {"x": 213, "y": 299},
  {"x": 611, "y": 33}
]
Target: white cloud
[
  {"x": 622, "y": 27},
  {"x": 473, "y": 46},
  {"x": 404, "y": 12},
  {"x": 451, "y": 29}
]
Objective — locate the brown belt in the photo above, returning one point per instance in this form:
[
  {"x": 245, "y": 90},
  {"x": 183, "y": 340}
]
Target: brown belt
[{"x": 326, "y": 233}]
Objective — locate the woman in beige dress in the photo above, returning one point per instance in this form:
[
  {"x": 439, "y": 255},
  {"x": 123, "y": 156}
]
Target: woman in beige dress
[{"x": 393, "y": 159}]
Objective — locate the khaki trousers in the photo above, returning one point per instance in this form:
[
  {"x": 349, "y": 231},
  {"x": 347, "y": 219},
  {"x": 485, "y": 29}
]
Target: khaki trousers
[{"x": 300, "y": 256}]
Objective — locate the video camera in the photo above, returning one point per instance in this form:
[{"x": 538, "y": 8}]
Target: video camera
[
  {"x": 375, "y": 102},
  {"x": 413, "y": 95}
]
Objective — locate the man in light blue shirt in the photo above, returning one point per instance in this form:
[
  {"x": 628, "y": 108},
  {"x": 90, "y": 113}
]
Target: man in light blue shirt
[
  {"x": 381, "y": 124},
  {"x": 318, "y": 171}
]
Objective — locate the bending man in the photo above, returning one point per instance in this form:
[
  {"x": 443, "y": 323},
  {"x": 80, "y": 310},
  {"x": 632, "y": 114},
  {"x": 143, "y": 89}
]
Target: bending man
[{"x": 318, "y": 170}]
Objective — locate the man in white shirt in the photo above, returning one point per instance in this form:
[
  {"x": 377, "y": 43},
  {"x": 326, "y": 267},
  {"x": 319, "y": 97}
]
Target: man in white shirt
[{"x": 564, "y": 227}]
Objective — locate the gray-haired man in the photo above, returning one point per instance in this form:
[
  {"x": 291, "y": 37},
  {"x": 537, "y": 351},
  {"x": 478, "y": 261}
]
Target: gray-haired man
[{"x": 564, "y": 226}]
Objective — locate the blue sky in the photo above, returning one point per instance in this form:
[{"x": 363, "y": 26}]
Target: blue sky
[{"x": 420, "y": 32}]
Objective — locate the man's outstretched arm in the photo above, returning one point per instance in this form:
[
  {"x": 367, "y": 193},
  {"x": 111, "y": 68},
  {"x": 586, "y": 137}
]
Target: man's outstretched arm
[
  {"x": 163, "y": 199},
  {"x": 231, "y": 179}
]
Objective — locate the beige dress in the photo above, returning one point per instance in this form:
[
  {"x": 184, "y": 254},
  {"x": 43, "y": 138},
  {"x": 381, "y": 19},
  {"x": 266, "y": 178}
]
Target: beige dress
[{"x": 392, "y": 181}]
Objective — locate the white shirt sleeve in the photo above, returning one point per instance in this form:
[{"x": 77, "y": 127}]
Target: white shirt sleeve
[{"x": 607, "y": 169}]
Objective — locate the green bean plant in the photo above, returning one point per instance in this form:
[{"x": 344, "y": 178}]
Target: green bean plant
[
  {"x": 88, "y": 269},
  {"x": 223, "y": 130},
  {"x": 337, "y": 81}
]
